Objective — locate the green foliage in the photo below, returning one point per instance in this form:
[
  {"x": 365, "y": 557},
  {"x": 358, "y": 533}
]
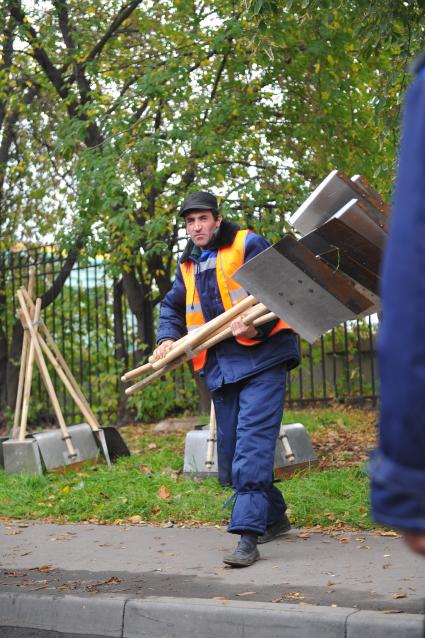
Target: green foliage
[
  {"x": 256, "y": 101},
  {"x": 175, "y": 393}
]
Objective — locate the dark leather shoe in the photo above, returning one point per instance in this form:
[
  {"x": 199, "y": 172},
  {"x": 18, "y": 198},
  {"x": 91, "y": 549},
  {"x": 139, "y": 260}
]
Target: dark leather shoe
[
  {"x": 245, "y": 553},
  {"x": 277, "y": 529}
]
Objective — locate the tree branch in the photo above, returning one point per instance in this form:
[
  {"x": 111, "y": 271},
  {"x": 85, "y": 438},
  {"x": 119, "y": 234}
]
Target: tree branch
[
  {"x": 115, "y": 24},
  {"x": 63, "y": 16},
  {"x": 39, "y": 53},
  {"x": 56, "y": 287}
]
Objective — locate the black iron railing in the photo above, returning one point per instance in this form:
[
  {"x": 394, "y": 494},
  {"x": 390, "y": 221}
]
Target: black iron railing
[{"x": 339, "y": 366}]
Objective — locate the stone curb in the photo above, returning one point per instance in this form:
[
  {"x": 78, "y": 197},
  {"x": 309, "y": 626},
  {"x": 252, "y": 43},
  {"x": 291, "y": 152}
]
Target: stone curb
[{"x": 126, "y": 617}]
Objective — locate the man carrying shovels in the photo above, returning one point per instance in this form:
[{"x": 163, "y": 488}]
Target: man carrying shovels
[{"x": 244, "y": 374}]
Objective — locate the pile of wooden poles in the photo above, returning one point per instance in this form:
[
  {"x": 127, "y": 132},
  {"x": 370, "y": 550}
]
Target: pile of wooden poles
[{"x": 216, "y": 330}]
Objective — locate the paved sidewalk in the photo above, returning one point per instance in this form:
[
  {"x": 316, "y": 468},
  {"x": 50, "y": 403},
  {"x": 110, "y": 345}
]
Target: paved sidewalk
[{"x": 342, "y": 580}]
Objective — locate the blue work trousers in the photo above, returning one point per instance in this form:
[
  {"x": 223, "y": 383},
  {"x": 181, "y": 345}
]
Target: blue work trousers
[{"x": 249, "y": 414}]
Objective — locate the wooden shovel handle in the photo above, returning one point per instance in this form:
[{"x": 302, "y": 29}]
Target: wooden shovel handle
[
  {"x": 28, "y": 369},
  {"x": 212, "y": 437},
  {"x": 24, "y": 355}
]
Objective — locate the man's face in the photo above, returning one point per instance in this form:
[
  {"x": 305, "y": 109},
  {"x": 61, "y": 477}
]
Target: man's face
[{"x": 201, "y": 226}]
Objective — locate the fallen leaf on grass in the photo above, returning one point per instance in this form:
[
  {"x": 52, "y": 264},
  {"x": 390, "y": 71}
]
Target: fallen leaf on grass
[
  {"x": 135, "y": 519},
  {"x": 246, "y": 593},
  {"x": 152, "y": 446},
  {"x": 163, "y": 493},
  {"x": 145, "y": 469}
]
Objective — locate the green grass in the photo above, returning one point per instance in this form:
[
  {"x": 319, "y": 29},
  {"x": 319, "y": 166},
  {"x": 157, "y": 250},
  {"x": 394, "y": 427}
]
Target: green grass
[{"x": 134, "y": 485}]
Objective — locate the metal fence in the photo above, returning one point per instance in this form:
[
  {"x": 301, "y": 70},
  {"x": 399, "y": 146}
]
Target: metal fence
[{"x": 340, "y": 366}]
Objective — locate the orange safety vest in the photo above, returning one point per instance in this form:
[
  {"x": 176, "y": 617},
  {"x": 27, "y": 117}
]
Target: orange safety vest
[{"x": 226, "y": 262}]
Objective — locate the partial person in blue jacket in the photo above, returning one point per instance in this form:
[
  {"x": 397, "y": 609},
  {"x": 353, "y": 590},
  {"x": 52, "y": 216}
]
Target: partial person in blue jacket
[
  {"x": 398, "y": 465},
  {"x": 245, "y": 374}
]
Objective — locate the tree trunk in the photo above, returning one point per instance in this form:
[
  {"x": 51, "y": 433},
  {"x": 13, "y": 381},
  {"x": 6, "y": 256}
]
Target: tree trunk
[
  {"x": 121, "y": 354},
  {"x": 13, "y": 364},
  {"x": 204, "y": 398},
  {"x": 3, "y": 368},
  {"x": 138, "y": 296}
]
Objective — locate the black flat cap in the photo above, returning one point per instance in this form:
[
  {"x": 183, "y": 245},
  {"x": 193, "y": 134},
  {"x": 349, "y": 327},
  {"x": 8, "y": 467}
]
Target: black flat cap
[{"x": 201, "y": 200}]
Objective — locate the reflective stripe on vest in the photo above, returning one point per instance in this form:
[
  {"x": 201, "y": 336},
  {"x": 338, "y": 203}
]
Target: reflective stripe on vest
[{"x": 228, "y": 260}]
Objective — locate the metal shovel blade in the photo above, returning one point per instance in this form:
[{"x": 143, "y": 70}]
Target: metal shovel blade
[
  {"x": 293, "y": 449},
  {"x": 330, "y": 195},
  {"x": 54, "y": 452},
  {"x": 300, "y": 289},
  {"x": 114, "y": 443}
]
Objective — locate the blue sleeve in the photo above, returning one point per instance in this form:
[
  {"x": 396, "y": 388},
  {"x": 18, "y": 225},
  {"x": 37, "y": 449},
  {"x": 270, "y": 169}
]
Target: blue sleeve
[
  {"x": 172, "y": 315},
  {"x": 398, "y": 467},
  {"x": 254, "y": 245}
]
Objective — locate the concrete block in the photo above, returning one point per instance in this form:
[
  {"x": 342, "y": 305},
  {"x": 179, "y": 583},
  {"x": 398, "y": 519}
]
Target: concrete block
[
  {"x": 86, "y": 616},
  {"x": 199, "y": 618},
  {"x": 22, "y": 456},
  {"x": 376, "y": 624}
]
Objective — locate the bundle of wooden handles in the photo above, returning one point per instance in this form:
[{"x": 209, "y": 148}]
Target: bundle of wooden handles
[{"x": 216, "y": 330}]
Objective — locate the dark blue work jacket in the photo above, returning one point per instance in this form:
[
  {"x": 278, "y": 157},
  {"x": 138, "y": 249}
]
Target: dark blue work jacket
[
  {"x": 398, "y": 466},
  {"x": 228, "y": 361}
]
